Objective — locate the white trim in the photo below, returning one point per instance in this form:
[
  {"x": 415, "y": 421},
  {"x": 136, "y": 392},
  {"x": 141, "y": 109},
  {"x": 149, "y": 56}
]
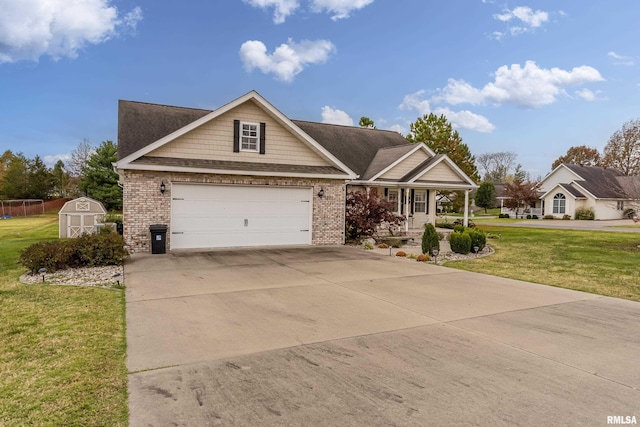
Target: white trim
[
  {"x": 257, "y": 137},
  {"x": 231, "y": 172},
  {"x": 429, "y": 185},
  {"x": 250, "y": 96},
  {"x": 398, "y": 161},
  {"x": 544, "y": 196},
  {"x": 558, "y": 167}
]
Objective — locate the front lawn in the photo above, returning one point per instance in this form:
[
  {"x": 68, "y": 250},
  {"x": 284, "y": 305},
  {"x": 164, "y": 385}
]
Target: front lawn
[
  {"x": 63, "y": 348},
  {"x": 600, "y": 262}
]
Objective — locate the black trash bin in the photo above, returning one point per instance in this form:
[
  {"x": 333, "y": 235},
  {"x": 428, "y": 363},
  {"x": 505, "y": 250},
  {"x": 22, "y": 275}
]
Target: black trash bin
[{"x": 158, "y": 238}]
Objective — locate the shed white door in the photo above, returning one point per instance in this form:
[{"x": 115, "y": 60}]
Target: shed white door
[{"x": 217, "y": 216}]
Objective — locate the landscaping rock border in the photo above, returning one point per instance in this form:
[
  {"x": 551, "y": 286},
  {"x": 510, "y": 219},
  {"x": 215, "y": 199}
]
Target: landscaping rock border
[{"x": 102, "y": 277}]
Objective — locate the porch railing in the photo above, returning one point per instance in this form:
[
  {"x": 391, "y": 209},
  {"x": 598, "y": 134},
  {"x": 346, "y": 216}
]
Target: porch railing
[{"x": 522, "y": 213}]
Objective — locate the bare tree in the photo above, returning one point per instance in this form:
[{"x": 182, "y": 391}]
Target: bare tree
[
  {"x": 79, "y": 158},
  {"x": 622, "y": 152},
  {"x": 495, "y": 167}
]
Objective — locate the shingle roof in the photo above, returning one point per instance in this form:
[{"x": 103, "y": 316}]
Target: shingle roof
[
  {"x": 601, "y": 182},
  {"x": 355, "y": 147},
  {"x": 237, "y": 166},
  {"x": 573, "y": 190},
  {"x": 140, "y": 124}
]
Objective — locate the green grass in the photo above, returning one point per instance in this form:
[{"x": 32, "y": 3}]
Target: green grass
[
  {"x": 62, "y": 357},
  {"x": 599, "y": 262}
]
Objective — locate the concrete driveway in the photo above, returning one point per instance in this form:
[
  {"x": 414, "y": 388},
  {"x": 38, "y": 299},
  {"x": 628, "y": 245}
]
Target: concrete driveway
[{"x": 332, "y": 336}]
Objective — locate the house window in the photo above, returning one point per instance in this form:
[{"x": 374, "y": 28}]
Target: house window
[
  {"x": 559, "y": 204},
  {"x": 249, "y": 137},
  {"x": 620, "y": 205},
  {"x": 392, "y": 196},
  {"x": 419, "y": 202}
]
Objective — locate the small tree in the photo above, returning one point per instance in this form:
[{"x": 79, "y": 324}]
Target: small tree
[
  {"x": 521, "y": 194},
  {"x": 365, "y": 213},
  {"x": 486, "y": 196},
  {"x": 366, "y": 122},
  {"x": 622, "y": 152},
  {"x": 430, "y": 239}
]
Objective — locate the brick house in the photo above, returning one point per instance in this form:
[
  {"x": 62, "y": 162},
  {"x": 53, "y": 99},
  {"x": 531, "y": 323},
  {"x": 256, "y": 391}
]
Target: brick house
[{"x": 247, "y": 175}]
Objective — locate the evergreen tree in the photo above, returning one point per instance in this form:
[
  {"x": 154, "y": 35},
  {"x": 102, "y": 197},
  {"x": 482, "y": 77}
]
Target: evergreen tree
[
  {"x": 438, "y": 134},
  {"x": 99, "y": 181},
  {"x": 486, "y": 196}
]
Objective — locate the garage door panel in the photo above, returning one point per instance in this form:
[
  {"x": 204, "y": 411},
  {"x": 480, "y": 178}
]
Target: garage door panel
[{"x": 207, "y": 216}]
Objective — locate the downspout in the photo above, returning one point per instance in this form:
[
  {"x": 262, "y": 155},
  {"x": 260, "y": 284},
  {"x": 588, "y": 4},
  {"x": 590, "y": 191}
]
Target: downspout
[{"x": 406, "y": 210}]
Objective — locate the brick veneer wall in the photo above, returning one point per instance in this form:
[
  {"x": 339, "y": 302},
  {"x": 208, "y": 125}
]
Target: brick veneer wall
[{"x": 144, "y": 205}]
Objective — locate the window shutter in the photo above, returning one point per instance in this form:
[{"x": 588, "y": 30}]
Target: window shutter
[
  {"x": 263, "y": 127},
  {"x": 427, "y": 200},
  {"x": 386, "y": 193},
  {"x": 236, "y": 136}
]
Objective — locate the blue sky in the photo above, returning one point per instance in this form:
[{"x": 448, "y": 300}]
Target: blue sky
[{"x": 532, "y": 77}]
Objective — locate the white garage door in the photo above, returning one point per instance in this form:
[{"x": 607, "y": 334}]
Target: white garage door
[{"x": 216, "y": 216}]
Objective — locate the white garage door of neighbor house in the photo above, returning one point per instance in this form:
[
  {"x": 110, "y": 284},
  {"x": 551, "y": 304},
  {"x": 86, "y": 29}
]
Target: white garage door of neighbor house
[{"x": 217, "y": 216}]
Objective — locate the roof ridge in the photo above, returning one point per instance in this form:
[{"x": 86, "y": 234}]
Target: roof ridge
[
  {"x": 165, "y": 105},
  {"x": 345, "y": 126}
]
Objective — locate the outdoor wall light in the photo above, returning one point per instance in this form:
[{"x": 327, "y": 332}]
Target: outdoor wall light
[
  {"x": 321, "y": 193},
  {"x": 163, "y": 188}
]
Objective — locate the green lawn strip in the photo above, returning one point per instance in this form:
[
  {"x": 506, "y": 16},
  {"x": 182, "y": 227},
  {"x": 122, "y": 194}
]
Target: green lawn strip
[
  {"x": 63, "y": 348},
  {"x": 591, "y": 261}
]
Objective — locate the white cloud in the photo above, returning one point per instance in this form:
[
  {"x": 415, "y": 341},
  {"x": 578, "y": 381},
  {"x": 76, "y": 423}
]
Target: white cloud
[
  {"x": 460, "y": 119},
  {"x": 589, "y": 95},
  {"x": 336, "y": 117},
  {"x": 51, "y": 160},
  {"x": 621, "y": 59},
  {"x": 525, "y": 20},
  {"x": 415, "y": 101},
  {"x": 288, "y": 59},
  {"x": 30, "y": 29},
  {"x": 340, "y": 8},
  {"x": 466, "y": 120},
  {"x": 283, "y": 8},
  {"x": 402, "y": 130},
  {"x": 529, "y": 86}
]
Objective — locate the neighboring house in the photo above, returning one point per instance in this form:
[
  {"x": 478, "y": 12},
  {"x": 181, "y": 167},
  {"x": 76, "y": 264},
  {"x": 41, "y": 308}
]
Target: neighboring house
[
  {"x": 608, "y": 192},
  {"x": 247, "y": 175}
]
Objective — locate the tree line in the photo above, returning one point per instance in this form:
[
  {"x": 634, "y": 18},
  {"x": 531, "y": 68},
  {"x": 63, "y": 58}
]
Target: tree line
[{"x": 88, "y": 172}]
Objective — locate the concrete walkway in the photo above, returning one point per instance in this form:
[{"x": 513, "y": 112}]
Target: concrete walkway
[{"x": 340, "y": 336}]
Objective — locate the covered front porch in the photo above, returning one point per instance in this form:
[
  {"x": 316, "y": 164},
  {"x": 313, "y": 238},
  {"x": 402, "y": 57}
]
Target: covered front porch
[{"x": 417, "y": 203}]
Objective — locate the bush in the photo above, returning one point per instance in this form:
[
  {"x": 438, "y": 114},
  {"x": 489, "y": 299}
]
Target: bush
[
  {"x": 401, "y": 253},
  {"x": 447, "y": 225},
  {"x": 430, "y": 239},
  {"x": 478, "y": 238},
  {"x": 585, "y": 213},
  {"x": 548, "y": 217},
  {"x": 395, "y": 243},
  {"x": 629, "y": 213},
  {"x": 422, "y": 258},
  {"x": 88, "y": 250},
  {"x": 528, "y": 216},
  {"x": 365, "y": 213},
  {"x": 412, "y": 256},
  {"x": 460, "y": 243},
  {"x": 383, "y": 246},
  {"x": 458, "y": 228},
  {"x": 534, "y": 216},
  {"x": 368, "y": 245},
  {"x": 503, "y": 215},
  {"x": 566, "y": 217}
]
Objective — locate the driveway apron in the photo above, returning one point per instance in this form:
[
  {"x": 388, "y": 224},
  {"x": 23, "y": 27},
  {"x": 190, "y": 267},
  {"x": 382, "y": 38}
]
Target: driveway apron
[{"x": 340, "y": 336}]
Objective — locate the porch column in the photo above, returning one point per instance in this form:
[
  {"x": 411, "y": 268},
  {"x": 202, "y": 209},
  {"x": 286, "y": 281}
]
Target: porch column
[
  {"x": 466, "y": 208},
  {"x": 406, "y": 209}
]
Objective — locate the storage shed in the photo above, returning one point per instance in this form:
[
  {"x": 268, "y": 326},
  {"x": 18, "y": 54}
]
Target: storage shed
[{"x": 80, "y": 216}]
